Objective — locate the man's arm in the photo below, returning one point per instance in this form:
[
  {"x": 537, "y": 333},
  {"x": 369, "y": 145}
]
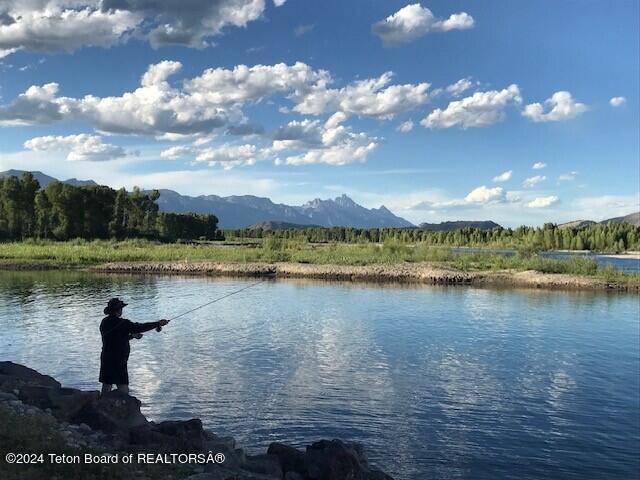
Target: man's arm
[{"x": 145, "y": 327}]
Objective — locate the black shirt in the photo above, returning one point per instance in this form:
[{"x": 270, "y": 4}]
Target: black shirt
[{"x": 117, "y": 331}]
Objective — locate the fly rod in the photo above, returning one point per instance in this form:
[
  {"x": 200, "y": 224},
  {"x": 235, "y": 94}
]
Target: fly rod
[{"x": 217, "y": 300}]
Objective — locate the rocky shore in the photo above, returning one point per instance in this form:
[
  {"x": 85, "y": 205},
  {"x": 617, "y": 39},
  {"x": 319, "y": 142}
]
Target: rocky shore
[
  {"x": 424, "y": 273},
  {"x": 112, "y": 427}
]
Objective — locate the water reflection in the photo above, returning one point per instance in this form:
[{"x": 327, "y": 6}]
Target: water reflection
[{"x": 439, "y": 383}]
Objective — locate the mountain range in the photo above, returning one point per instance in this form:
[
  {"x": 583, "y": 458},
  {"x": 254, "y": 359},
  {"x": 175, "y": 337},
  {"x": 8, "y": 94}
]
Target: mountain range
[
  {"x": 248, "y": 211},
  {"x": 240, "y": 211}
]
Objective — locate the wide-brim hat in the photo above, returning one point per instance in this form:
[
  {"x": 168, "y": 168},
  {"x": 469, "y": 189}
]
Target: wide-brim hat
[{"x": 113, "y": 305}]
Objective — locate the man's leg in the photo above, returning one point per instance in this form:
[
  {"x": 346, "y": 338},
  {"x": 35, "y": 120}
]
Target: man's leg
[
  {"x": 106, "y": 387},
  {"x": 124, "y": 388}
]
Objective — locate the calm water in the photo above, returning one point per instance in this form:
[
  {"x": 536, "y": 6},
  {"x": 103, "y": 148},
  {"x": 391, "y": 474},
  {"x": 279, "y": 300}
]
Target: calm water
[{"x": 438, "y": 383}]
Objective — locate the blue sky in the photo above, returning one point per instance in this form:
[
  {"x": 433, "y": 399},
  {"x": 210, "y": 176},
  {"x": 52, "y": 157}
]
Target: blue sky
[{"x": 439, "y": 110}]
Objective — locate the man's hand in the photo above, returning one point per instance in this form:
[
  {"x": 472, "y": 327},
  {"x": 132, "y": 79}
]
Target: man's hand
[
  {"x": 137, "y": 336},
  {"x": 163, "y": 322}
]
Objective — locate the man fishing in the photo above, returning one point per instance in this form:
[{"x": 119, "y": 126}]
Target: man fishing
[{"x": 116, "y": 333}]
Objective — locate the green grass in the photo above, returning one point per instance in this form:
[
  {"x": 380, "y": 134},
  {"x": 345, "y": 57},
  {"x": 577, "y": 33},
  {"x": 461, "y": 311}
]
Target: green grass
[
  {"x": 82, "y": 253},
  {"x": 30, "y": 434}
]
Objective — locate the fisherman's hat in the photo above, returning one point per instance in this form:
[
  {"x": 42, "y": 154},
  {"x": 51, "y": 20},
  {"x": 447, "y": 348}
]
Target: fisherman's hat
[{"x": 113, "y": 305}]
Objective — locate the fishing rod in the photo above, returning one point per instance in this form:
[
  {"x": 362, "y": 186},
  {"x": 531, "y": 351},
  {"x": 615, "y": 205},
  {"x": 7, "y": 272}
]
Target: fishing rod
[{"x": 159, "y": 329}]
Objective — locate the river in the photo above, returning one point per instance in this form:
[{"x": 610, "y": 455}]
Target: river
[{"x": 436, "y": 382}]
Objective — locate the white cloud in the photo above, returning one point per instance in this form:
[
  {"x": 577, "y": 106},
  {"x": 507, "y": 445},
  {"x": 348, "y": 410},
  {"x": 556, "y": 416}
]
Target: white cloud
[
  {"x": 561, "y": 106},
  {"x": 483, "y": 195},
  {"x": 617, "y": 101},
  {"x": 461, "y": 86},
  {"x": 301, "y": 30},
  {"x": 179, "y": 151},
  {"x": 37, "y": 104},
  {"x": 533, "y": 181},
  {"x": 65, "y": 25},
  {"x": 568, "y": 177},
  {"x": 539, "y": 165},
  {"x": 405, "y": 127},
  {"x": 543, "y": 202},
  {"x": 504, "y": 176},
  {"x": 229, "y": 156},
  {"x": 279, "y": 3},
  {"x": 414, "y": 21},
  {"x": 82, "y": 147},
  {"x": 372, "y": 97},
  {"x": 330, "y": 143},
  {"x": 479, "y": 110},
  {"x": 204, "y": 103}
]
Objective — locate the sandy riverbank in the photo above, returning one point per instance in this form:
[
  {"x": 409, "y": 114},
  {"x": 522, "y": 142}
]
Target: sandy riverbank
[{"x": 397, "y": 273}]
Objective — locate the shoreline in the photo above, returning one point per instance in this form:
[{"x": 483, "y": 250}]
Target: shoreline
[
  {"x": 47, "y": 419},
  {"x": 408, "y": 273}
]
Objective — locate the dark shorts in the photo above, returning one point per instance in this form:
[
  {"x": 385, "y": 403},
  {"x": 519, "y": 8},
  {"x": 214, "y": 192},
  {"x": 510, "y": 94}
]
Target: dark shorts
[{"x": 113, "y": 371}]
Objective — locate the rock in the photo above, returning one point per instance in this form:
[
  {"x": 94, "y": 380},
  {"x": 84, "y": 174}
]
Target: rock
[
  {"x": 6, "y": 396},
  {"x": 291, "y": 459},
  {"x": 293, "y": 476},
  {"x": 113, "y": 412},
  {"x": 337, "y": 460},
  {"x": 174, "y": 437},
  {"x": 13, "y": 376},
  {"x": 64, "y": 403},
  {"x": 265, "y": 464}
]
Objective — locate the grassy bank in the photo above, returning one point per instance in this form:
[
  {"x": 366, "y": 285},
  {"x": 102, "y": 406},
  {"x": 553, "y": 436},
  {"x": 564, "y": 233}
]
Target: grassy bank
[{"x": 80, "y": 253}]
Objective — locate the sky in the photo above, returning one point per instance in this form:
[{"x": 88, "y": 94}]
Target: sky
[{"x": 518, "y": 112}]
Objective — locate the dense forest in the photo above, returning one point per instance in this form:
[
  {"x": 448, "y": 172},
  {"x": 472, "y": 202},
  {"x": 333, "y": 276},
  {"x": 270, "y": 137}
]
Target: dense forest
[
  {"x": 610, "y": 237},
  {"x": 62, "y": 212}
]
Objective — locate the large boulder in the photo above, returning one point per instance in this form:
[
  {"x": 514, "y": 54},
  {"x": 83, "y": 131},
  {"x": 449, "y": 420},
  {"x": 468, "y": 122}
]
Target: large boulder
[
  {"x": 337, "y": 460},
  {"x": 64, "y": 403},
  {"x": 14, "y": 376},
  {"x": 113, "y": 412},
  {"x": 291, "y": 459},
  {"x": 170, "y": 437}
]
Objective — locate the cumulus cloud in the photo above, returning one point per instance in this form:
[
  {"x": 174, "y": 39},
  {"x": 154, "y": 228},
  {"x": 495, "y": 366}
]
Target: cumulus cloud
[
  {"x": 617, "y": 101},
  {"x": 479, "y": 110},
  {"x": 568, "y": 177},
  {"x": 483, "y": 195},
  {"x": 533, "y": 181},
  {"x": 405, "y": 127},
  {"x": 82, "y": 147},
  {"x": 372, "y": 97},
  {"x": 479, "y": 196},
  {"x": 504, "y": 176},
  {"x": 61, "y": 25},
  {"x": 36, "y": 105},
  {"x": 561, "y": 106},
  {"x": 65, "y": 25},
  {"x": 543, "y": 202},
  {"x": 330, "y": 143},
  {"x": 204, "y": 103},
  {"x": 229, "y": 156},
  {"x": 461, "y": 86},
  {"x": 539, "y": 165},
  {"x": 179, "y": 151},
  {"x": 414, "y": 21}
]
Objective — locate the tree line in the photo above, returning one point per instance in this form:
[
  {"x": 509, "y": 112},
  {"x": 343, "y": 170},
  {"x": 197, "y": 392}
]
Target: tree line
[
  {"x": 61, "y": 212},
  {"x": 609, "y": 237}
]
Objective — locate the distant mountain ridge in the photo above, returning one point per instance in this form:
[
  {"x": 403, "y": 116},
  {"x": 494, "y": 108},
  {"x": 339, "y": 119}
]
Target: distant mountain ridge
[
  {"x": 44, "y": 179},
  {"x": 247, "y": 210},
  {"x": 240, "y": 211},
  {"x": 457, "y": 225},
  {"x": 632, "y": 218}
]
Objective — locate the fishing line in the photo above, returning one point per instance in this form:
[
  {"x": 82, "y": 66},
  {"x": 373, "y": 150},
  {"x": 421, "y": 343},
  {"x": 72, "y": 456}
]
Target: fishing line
[{"x": 221, "y": 298}]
